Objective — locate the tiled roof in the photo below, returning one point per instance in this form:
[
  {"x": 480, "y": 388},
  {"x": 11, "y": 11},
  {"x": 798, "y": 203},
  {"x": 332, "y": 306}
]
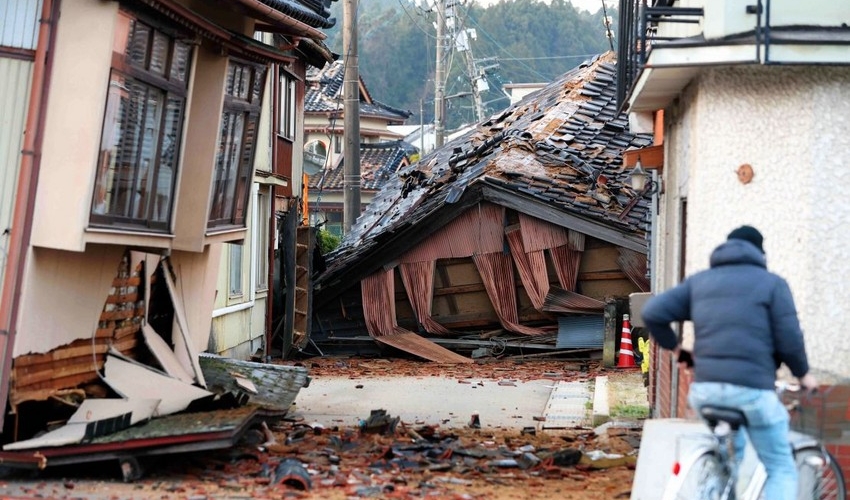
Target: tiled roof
[
  {"x": 311, "y": 12},
  {"x": 557, "y": 152},
  {"x": 378, "y": 163},
  {"x": 324, "y": 94}
]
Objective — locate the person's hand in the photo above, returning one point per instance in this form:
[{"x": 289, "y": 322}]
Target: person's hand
[
  {"x": 684, "y": 358},
  {"x": 809, "y": 382}
]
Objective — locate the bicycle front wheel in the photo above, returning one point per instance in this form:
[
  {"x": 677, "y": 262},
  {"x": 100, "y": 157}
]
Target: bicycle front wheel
[
  {"x": 704, "y": 479},
  {"x": 820, "y": 476}
]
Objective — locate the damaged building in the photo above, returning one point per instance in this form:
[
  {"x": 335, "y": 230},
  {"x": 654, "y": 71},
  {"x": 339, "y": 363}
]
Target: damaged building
[
  {"x": 133, "y": 179},
  {"x": 524, "y": 234}
]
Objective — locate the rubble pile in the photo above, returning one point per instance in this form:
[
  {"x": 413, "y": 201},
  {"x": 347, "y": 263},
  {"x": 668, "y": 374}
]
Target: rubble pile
[{"x": 386, "y": 458}]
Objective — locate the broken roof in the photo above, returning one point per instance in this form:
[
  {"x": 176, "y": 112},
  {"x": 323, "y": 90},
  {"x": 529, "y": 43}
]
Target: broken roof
[
  {"x": 555, "y": 155},
  {"x": 378, "y": 163},
  {"x": 324, "y": 95}
]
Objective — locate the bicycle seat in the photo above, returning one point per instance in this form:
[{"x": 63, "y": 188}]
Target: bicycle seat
[{"x": 732, "y": 416}]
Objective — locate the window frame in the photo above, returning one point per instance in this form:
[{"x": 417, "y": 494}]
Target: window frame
[
  {"x": 230, "y": 188},
  {"x": 287, "y": 103},
  {"x": 235, "y": 285},
  {"x": 131, "y": 188},
  {"x": 263, "y": 238}
]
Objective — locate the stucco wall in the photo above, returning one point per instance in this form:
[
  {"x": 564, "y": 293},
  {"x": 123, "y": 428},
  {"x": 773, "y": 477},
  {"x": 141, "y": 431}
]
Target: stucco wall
[{"x": 792, "y": 124}]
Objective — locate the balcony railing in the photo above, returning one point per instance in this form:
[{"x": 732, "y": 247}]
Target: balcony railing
[
  {"x": 639, "y": 25},
  {"x": 648, "y": 24}
]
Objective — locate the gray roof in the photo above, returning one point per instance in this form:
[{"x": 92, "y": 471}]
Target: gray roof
[
  {"x": 378, "y": 163},
  {"x": 324, "y": 94}
]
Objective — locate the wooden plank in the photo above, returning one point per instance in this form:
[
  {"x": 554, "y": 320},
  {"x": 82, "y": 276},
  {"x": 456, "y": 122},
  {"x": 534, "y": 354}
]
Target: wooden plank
[
  {"x": 602, "y": 275},
  {"x": 67, "y": 368},
  {"x": 180, "y": 316},
  {"x": 76, "y": 350},
  {"x": 454, "y": 290},
  {"x": 650, "y": 157},
  {"x": 42, "y": 391},
  {"x": 134, "y": 381}
]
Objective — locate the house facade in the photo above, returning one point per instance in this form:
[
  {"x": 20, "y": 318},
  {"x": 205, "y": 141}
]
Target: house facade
[
  {"x": 324, "y": 140},
  {"x": 749, "y": 106},
  {"x": 130, "y": 174},
  {"x": 378, "y": 163}
]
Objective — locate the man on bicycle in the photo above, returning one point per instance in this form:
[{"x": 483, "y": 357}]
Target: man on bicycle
[{"x": 745, "y": 325}]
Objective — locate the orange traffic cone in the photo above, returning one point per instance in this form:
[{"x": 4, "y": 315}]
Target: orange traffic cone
[{"x": 627, "y": 355}]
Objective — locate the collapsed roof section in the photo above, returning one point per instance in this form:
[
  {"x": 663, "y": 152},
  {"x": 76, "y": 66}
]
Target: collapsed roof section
[{"x": 556, "y": 156}]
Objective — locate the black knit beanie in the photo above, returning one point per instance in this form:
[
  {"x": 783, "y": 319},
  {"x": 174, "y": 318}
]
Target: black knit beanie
[{"x": 748, "y": 233}]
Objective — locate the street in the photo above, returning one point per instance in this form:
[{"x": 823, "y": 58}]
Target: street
[{"x": 386, "y": 456}]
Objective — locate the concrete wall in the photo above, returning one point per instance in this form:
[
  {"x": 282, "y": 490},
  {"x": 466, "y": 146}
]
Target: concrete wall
[{"x": 792, "y": 125}]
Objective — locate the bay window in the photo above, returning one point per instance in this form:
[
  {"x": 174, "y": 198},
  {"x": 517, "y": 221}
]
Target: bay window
[
  {"x": 237, "y": 139},
  {"x": 142, "y": 126}
]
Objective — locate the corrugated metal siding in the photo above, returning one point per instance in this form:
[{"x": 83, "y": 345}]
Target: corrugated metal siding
[
  {"x": 15, "y": 78},
  {"x": 19, "y": 23},
  {"x": 580, "y": 331},
  {"x": 479, "y": 230}
]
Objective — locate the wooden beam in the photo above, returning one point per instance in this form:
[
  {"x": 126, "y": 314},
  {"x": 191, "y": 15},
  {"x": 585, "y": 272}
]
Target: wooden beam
[
  {"x": 602, "y": 275},
  {"x": 522, "y": 203},
  {"x": 650, "y": 157}
]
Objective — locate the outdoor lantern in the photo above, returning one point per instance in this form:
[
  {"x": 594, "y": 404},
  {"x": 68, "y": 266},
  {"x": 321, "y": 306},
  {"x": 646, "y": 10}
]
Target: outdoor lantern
[{"x": 639, "y": 177}]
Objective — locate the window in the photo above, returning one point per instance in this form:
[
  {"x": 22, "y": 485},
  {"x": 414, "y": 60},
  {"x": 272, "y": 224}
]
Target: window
[
  {"x": 237, "y": 137},
  {"x": 337, "y": 144},
  {"x": 261, "y": 229},
  {"x": 315, "y": 157},
  {"x": 235, "y": 269},
  {"x": 286, "y": 127},
  {"x": 142, "y": 126}
]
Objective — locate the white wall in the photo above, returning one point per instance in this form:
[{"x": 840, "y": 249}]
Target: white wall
[{"x": 792, "y": 124}]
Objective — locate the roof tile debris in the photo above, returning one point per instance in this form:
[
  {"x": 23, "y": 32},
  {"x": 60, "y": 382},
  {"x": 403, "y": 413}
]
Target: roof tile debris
[{"x": 560, "y": 147}]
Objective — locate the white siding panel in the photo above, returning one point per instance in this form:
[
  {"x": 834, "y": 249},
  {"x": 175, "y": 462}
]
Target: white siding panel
[
  {"x": 14, "y": 95},
  {"x": 19, "y": 23}
]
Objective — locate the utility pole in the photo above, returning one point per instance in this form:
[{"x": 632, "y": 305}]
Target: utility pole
[
  {"x": 421, "y": 128},
  {"x": 439, "y": 76},
  {"x": 351, "y": 114}
]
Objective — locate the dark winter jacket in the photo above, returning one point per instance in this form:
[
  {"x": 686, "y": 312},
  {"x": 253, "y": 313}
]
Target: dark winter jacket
[{"x": 744, "y": 317}]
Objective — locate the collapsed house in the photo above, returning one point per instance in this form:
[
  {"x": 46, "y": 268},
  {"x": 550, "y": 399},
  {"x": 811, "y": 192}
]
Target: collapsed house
[
  {"x": 136, "y": 165},
  {"x": 524, "y": 233}
]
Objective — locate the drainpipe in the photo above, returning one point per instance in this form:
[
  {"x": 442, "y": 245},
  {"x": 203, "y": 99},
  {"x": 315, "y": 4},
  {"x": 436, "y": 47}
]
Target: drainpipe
[{"x": 21, "y": 230}]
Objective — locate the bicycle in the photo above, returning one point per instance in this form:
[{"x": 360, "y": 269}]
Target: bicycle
[{"x": 710, "y": 470}]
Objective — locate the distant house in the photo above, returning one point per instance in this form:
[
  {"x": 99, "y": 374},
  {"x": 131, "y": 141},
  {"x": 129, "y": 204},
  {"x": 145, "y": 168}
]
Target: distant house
[
  {"x": 324, "y": 116},
  {"x": 519, "y": 90},
  {"x": 379, "y": 162},
  {"x": 749, "y": 112},
  {"x": 526, "y": 226}
]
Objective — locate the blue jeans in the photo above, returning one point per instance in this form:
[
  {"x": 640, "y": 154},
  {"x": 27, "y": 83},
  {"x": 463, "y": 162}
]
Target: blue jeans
[{"x": 767, "y": 429}]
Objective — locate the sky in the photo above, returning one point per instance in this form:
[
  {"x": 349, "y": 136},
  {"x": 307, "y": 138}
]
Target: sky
[{"x": 589, "y": 5}]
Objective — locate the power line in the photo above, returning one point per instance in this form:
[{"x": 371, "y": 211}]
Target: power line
[{"x": 577, "y": 56}]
